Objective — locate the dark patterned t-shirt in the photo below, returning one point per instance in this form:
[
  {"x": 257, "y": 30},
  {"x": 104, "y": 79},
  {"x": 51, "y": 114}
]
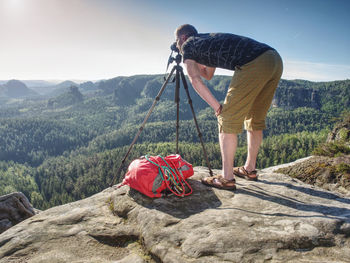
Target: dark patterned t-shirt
[{"x": 222, "y": 50}]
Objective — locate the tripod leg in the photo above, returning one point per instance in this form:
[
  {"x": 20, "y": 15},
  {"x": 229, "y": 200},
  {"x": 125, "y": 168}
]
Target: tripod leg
[
  {"x": 142, "y": 125},
  {"x": 177, "y": 101},
  {"x": 195, "y": 120}
]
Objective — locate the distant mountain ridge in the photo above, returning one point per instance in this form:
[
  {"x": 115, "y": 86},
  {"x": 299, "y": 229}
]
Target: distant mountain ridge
[
  {"x": 35, "y": 83},
  {"x": 16, "y": 89},
  {"x": 51, "y": 88},
  {"x": 290, "y": 94},
  {"x": 126, "y": 90}
]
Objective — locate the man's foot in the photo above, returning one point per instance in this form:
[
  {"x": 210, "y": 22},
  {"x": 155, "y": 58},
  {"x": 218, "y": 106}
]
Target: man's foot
[
  {"x": 219, "y": 182},
  {"x": 242, "y": 172}
]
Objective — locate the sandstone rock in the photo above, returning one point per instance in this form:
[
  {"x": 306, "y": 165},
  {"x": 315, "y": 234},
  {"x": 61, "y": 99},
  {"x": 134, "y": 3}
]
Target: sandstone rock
[
  {"x": 330, "y": 173},
  {"x": 276, "y": 219},
  {"x": 14, "y": 208},
  {"x": 341, "y": 132}
]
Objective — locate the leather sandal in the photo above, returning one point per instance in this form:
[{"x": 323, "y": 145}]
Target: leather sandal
[
  {"x": 242, "y": 172},
  {"x": 219, "y": 182}
]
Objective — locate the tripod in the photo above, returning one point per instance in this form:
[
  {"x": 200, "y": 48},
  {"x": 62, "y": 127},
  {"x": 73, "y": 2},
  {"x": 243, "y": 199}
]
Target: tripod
[{"x": 179, "y": 73}]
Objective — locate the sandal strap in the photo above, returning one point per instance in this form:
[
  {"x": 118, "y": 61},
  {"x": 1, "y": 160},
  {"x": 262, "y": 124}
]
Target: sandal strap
[
  {"x": 242, "y": 172},
  {"x": 226, "y": 182},
  {"x": 220, "y": 182},
  {"x": 246, "y": 172}
]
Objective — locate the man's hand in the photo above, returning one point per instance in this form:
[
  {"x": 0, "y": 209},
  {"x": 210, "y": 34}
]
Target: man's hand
[{"x": 218, "y": 111}]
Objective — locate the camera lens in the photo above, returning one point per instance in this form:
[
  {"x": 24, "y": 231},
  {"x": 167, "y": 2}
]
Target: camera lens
[{"x": 174, "y": 48}]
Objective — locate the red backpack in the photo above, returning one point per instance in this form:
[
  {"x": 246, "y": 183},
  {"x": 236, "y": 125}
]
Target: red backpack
[{"x": 156, "y": 175}]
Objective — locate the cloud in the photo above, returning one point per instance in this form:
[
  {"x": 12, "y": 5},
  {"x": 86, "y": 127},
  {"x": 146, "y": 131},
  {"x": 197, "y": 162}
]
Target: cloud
[{"x": 315, "y": 71}]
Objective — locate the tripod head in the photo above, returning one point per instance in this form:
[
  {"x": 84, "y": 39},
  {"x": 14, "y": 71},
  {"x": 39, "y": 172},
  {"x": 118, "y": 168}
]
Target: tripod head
[{"x": 174, "y": 57}]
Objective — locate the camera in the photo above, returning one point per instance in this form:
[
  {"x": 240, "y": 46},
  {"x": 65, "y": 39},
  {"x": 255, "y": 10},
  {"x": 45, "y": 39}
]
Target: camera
[
  {"x": 172, "y": 57},
  {"x": 174, "y": 48}
]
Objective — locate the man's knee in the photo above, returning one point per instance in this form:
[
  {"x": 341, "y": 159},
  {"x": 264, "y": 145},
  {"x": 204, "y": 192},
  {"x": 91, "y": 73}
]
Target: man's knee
[{"x": 253, "y": 125}]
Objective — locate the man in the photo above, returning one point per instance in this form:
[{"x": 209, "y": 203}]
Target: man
[{"x": 258, "y": 69}]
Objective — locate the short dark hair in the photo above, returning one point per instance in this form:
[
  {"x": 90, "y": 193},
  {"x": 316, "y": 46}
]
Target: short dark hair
[{"x": 187, "y": 30}]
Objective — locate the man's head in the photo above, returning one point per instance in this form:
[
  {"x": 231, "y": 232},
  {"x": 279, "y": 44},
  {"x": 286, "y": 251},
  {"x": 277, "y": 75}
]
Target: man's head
[{"x": 183, "y": 32}]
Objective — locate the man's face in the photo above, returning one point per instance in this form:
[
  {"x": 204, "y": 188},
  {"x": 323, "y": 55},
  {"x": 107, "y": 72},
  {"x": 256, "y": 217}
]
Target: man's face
[{"x": 180, "y": 40}]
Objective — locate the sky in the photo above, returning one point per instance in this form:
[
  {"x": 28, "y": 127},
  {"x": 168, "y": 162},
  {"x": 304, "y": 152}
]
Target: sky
[{"x": 102, "y": 39}]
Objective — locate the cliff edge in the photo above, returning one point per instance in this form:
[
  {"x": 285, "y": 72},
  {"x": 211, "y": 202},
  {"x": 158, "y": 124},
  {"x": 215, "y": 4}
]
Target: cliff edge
[{"x": 276, "y": 219}]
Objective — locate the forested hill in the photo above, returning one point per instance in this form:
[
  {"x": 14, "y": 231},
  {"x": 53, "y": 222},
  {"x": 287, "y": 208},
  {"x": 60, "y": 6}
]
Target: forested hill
[
  {"x": 61, "y": 148},
  {"x": 290, "y": 94}
]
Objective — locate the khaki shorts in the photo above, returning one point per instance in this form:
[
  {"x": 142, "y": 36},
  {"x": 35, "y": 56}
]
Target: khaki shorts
[{"x": 250, "y": 94}]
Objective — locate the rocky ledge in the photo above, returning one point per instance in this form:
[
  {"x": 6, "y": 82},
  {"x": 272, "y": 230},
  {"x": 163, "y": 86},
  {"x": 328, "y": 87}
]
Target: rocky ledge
[
  {"x": 330, "y": 173},
  {"x": 14, "y": 208},
  {"x": 276, "y": 219}
]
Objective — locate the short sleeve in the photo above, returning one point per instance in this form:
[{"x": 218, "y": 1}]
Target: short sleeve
[{"x": 188, "y": 50}]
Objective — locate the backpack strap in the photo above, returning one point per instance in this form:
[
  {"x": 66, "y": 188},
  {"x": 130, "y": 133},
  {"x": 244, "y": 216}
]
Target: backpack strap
[
  {"x": 172, "y": 177},
  {"x": 180, "y": 177}
]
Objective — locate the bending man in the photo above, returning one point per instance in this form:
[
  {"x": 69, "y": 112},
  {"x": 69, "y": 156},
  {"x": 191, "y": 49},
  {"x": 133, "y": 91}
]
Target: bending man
[{"x": 258, "y": 69}]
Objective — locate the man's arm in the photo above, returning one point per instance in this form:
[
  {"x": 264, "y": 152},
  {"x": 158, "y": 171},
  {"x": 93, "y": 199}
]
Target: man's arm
[
  {"x": 194, "y": 75},
  {"x": 206, "y": 72}
]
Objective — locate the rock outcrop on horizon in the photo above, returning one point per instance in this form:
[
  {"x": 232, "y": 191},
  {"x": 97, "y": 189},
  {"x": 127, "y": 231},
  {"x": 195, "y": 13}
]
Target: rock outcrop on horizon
[
  {"x": 276, "y": 219},
  {"x": 341, "y": 132},
  {"x": 16, "y": 89},
  {"x": 14, "y": 208},
  {"x": 71, "y": 97}
]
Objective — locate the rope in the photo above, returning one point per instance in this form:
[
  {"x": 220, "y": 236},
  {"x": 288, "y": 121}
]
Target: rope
[{"x": 168, "y": 172}]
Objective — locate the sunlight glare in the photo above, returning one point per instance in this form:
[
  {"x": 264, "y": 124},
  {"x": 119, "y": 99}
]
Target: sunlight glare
[
  {"x": 14, "y": 6},
  {"x": 14, "y": 3}
]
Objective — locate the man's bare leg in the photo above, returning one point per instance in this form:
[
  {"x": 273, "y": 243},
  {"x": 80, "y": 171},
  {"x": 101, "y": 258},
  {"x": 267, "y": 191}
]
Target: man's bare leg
[
  {"x": 254, "y": 139},
  {"x": 228, "y": 146}
]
